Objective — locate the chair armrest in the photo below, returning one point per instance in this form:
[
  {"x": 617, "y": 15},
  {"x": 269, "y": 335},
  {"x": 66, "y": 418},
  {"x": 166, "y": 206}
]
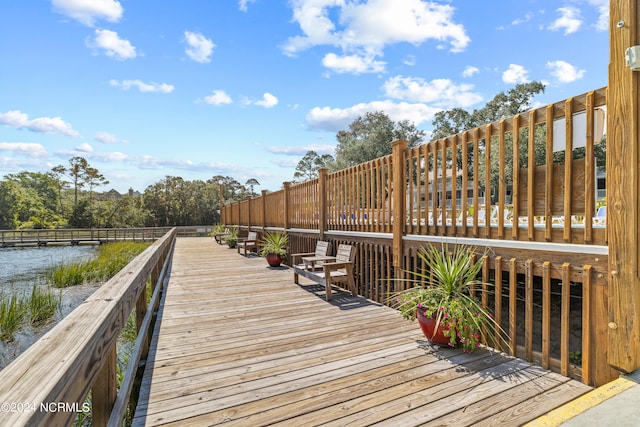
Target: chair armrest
[
  {"x": 304, "y": 254},
  {"x": 336, "y": 265},
  {"x": 294, "y": 256},
  {"x": 245, "y": 241}
]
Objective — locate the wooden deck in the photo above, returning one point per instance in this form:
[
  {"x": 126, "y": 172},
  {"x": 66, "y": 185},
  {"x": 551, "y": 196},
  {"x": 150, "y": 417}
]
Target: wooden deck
[{"x": 239, "y": 343}]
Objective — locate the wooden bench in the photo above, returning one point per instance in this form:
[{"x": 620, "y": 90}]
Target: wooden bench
[
  {"x": 313, "y": 260},
  {"x": 250, "y": 243},
  {"x": 338, "y": 269}
]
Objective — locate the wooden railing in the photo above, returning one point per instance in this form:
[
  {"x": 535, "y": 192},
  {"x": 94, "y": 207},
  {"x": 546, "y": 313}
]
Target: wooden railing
[
  {"x": 74, "y": 236},
  {"x": 48, "y": 384},
  {"x": 464, "y": 185},
  {"x": 547, "y": 245}
]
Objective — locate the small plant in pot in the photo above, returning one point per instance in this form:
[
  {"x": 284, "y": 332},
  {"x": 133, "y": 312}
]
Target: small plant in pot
[
  {"x": 274, "y": 247},
  {"x": 447, "y": 311},
  {"x": 232, "y": 237}
]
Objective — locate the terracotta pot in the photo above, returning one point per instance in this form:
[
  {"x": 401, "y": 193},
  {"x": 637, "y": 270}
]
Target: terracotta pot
[
  {"x": 427, "y": 324},
  {"x": 274, "y": 260}
]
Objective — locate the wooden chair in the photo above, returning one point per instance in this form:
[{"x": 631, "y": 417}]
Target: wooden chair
[
  {"x": 313, "y": 260},
  {"x": 334, "y": 272},
  {"x": 221, "y": 237},
  {"x": 249, "y": 244}
]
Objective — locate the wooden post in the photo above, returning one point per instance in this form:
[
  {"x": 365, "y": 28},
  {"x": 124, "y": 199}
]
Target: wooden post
[
  {"x": 248, "y": 204},
  {"x": 264, "y": 209},
  {"x": 399, "y": 201},
  {"x": 286, "y": 204},
  {"x": 623, "y": 198},
  {"x": 104, "y": 392},
  {"x": 322, "y": 201}
]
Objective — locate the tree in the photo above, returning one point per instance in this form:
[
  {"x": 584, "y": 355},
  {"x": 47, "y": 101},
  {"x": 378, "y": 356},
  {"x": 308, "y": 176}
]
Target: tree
[
  {"x": 308, "y": 167},
  {"x": 93, "y": 178},
  {"x": 251, "y": 182},
  {"x": 369, "y": 137},
  {"x": 77, "y": 168},
  {"x": 57, "y": 172},
  {"x": 502, "y": 106},
  {"x": 29, "y": 200}
]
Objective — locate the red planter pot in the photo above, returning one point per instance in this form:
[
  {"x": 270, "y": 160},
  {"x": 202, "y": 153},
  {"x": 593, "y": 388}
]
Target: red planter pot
[
  {"x": 274, "y": 260},
  {"x": 428, "y": 324}
]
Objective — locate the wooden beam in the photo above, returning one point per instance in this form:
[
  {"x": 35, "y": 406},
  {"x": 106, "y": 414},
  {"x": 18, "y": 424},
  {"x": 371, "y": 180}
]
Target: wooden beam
[
  {"x": 623, "y": 108},
  {"x": 399, "y": 148},
  {"x": 322, "y": 200}
]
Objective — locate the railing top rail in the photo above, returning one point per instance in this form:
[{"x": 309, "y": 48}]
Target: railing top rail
[{"x": 62, "y": 366}]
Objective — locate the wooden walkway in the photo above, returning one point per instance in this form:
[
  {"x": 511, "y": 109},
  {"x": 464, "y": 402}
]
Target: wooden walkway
[{"x": 239, "y": 343}]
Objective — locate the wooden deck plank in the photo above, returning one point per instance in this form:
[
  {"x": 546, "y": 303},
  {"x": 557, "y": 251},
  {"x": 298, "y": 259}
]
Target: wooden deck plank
[{"x": 239, "y": 343}]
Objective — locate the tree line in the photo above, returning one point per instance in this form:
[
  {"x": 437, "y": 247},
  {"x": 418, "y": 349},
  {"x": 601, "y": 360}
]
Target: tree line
[{"x": 66, "y": 197}]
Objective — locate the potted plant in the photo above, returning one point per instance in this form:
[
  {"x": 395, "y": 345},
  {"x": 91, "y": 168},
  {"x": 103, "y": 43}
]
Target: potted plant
[
  {"x": 447, "y": 311},
  {"x": 274, "y": 247},
  {"x": 232, "y": 237}
]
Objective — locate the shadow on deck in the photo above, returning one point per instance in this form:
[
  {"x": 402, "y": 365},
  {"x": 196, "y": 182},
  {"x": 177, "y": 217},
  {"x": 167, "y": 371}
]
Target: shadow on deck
[{"x": 239, "y": 343}]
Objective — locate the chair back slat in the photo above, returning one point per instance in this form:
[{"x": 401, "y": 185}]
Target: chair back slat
[
  {"x": 346, "y": 253},
  {"x": 322, "y": 248}
]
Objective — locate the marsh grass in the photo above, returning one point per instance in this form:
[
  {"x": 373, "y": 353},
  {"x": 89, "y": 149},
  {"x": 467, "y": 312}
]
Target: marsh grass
[
  {"x": 112, "y": 257},
  {"x": 17, "y": 309},
  {"x": 12, "y": 312},
  {"x": 42, "y": 304}
]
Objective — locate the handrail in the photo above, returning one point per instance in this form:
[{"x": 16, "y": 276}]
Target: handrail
[
  {"x": 101, "y": 235},
  {"x": 141, "y": 347},
  {"x": 48, "y": 383}
]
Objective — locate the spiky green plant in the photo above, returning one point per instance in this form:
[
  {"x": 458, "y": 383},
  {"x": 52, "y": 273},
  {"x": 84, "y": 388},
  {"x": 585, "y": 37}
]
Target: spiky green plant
[
  {"x": 447, "y": 297},
  {"x": 274, "y": 243}
]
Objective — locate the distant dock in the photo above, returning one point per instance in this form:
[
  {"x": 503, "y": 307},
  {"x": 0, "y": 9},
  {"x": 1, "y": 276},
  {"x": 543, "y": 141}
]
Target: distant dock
[{"x": 16, "y": 238}]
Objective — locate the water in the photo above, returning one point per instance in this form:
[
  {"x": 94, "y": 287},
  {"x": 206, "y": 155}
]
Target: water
[{"x": 20, "y": 268}]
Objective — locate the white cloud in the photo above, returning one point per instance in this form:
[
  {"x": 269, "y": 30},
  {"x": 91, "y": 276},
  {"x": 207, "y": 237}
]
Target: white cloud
[
  {"x": 570, "y": 20},
  {"x": 515, "y": 74},
  {"x": 243, "y": 4},
  {"x": 88, "y": 11},
  {"x": 143, "y": 87},
  {"x": 334, "y": 119},
  {"x": 219, "y": 97},
  {"x": 470, "y": 71},
  {"x": 113, "y": 45},
  {"x": 527, "y": 17},
  {"x": 302, "y": 150},
  {"x": 199, "y": 47},
  {"x": 440, "y": 92},
  {"x": 84, "y": 148},
  {"x": 410, "y": 60},
  {"x": 267, "y": 101},
  {"x": 353, "y": 64},
  {"x": 365, "y": 28},
  {"x": 114, "y": 156},
  {"x": 49, "y": 125},
  {"x": 564, "y": 72},
  {"x": 603, "y": 9},
  {"x": 27, "y": 148},
  {"x": 287, "y": 162},
  {"x": 107, "y": 138}
]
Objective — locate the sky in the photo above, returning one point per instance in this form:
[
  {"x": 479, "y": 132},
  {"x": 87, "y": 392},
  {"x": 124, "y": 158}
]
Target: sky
[{"x": 244, "y": 88}]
